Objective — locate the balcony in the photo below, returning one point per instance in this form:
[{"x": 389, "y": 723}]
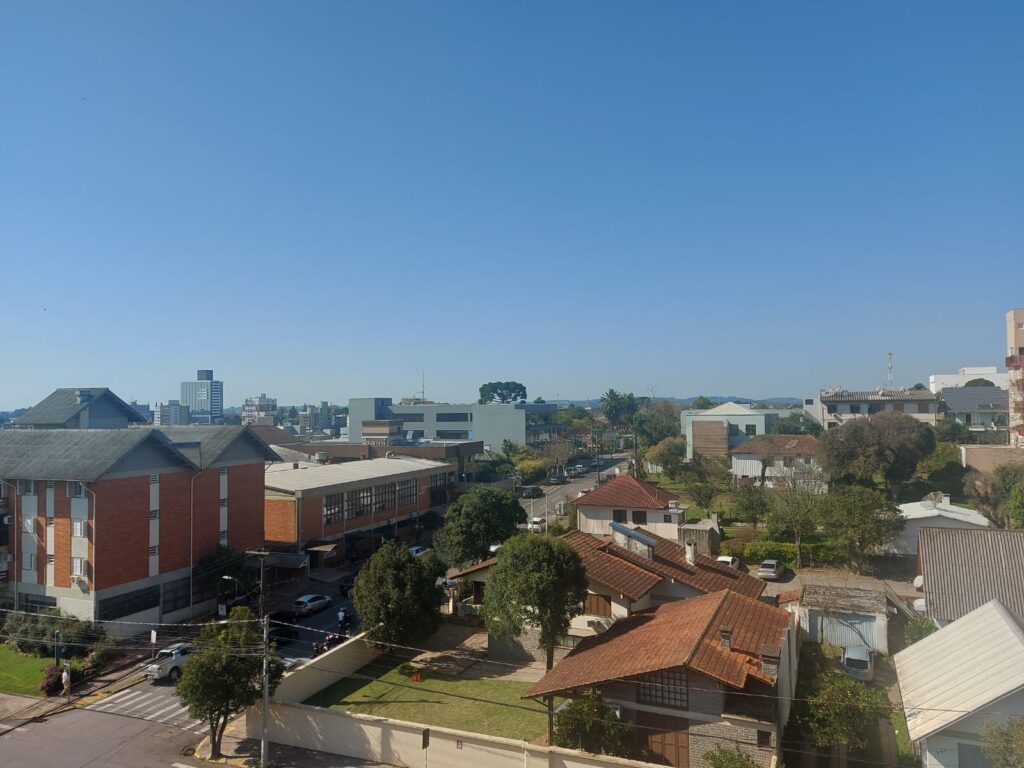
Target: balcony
[{"x": 1013, "y": 362}]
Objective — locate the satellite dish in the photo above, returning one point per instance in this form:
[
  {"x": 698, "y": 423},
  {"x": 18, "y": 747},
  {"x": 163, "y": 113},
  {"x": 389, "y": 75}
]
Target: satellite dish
[{"x": 932, "y": 500}]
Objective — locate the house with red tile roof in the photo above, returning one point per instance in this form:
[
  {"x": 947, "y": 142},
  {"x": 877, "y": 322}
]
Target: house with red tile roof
[
  {"x": 624, "y": 499},
  {"x": 719, "y": 669},
  {"x": 779, "y": 460}
]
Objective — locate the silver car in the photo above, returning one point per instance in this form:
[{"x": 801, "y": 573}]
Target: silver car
[
  {"x": 308, "y": 604},
  {"x": 771, "y": 570},
  {"x": 858, "y": 663}
]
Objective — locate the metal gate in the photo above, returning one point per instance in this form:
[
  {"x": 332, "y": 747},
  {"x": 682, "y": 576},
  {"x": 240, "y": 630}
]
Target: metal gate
[{"x": 848, "y": 629}]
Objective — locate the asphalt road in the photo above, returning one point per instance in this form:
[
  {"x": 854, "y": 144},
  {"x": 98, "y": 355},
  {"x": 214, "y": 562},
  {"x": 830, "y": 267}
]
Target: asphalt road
[
  {"x": 314, "y": 627},
  {"x": 547, "y": 506}
]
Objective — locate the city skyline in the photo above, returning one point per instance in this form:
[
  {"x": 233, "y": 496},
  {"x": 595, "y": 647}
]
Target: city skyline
[{"x": 682, "y": 200}]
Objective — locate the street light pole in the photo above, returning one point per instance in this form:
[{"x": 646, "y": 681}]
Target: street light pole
[{"x": 264, "y": 741}]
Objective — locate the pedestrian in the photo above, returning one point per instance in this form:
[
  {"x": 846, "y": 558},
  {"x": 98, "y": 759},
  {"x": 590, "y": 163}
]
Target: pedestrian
[
  {"x": 342, "y": 618},
  {"x": 65, "y": 679}
]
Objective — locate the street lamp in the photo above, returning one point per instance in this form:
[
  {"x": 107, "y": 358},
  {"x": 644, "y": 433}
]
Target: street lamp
[{"x": 262, "y": 555}]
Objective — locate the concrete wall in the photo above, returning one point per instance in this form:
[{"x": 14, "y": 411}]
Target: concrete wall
[
  {"x": 597, "y": 521},
  {"x": 396, "y": 742},
  {"x": 310, "y": 678}
]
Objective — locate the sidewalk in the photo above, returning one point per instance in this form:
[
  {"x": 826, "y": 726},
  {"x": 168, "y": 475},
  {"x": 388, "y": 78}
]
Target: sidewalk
[{"x": 239, "y": 751}]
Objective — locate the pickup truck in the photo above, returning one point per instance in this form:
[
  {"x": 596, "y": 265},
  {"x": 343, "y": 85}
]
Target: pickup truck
[{"x": 168, "y": 663}]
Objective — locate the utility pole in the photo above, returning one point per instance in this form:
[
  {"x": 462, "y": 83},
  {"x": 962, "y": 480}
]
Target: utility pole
[{"x": 264, "y": 742}]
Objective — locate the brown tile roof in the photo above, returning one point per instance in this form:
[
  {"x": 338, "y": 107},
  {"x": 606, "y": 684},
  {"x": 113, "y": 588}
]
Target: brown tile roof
[
  {"x": 627, "y": 491},
  {"x": 624, "y": 577},
  {"x": 964, "y": 568},
  {"x": 679, "y": 634},
  {"x": 779, "y": 445},
  {"x": 879, "y": 395},
  {"x": 705, "y": 575},
  {"x": 481, "y": 566}
]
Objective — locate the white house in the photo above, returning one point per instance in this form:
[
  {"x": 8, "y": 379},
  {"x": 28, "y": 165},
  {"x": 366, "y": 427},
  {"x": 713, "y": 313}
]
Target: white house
[
  {"x": 780, "y": 457},
  {"x": 624, "y": 499},
  {"x": 933, "y": 511},
  {"x": 957, "y": 680}
]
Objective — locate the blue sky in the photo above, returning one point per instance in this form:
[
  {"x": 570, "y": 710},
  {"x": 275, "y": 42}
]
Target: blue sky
[{"x": 320, "y": 200}]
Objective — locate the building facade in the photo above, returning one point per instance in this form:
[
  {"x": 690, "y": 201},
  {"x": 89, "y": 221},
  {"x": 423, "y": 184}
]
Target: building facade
[
  {"x": 714, "y": 431},
  {"x": 259, "y": 410},
  {"x": 980, "y": 409},
  {"x": 626, "y": 500},
  {"x": 1015, "y": 368},
  {"x": 837, "y": 406},
  {"x": 940, "y": 381},
  {"x": 204, "y": 398},
  {"x": 80, "y": 408},
  {"x": 172, "y": 413},
  {"x": 110, "y": 525}
]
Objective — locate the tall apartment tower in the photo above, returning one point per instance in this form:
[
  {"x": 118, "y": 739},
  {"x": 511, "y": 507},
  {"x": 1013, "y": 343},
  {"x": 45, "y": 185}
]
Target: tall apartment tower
[
  {"x": 204, "y": 398},
  {"x": 1014, "y": 363}
]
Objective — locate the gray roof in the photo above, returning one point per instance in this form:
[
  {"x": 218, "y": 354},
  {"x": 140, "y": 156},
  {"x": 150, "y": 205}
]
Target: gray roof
[
  {"x": 72, "y": 454},
  {"x": 964, "y": 568},
  {"x": 203, "y": 444},
  {"x": 56, "y": 409},
  {"x": 976, "y": 399},
  {"x": 878, "y": 395},
  {"x": 844, "y": 599}
]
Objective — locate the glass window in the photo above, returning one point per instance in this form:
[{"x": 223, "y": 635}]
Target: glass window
[
  {"x": 28, "y": 561},
  {"x": 78, "y": 528},
  {"x": 333, "y": 508},
  {"x": 406, "y": 492},
  {"x": 26, "y": 488},
  {"x": 640, "y": 517},
  {"x": 854, "y": 407},
  {"x": 452, "y": 434},
  {"x": 619, "y": 515},
  {"x": 384, "y": 496},
  {"x": 76, "y": 490},
  {"x": 461, "y": 417},
  {"x": 734, "y": 430},
  {"x": 78, "y": 566},
  {"x": 667, "y": 688},
  {"x": 175, "y": 595},
  {"x": 924, "y": 408},
  {"x": 131, "y": 602},
  {"x": 751, "y": 430},
  {"x": 416, "y": 417},
  {"x": 668, "y": 518}
]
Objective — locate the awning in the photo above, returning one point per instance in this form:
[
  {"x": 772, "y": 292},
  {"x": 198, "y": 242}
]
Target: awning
[
  {"x": 287, "y": 560},
  {"x": 323, "y": 548}
]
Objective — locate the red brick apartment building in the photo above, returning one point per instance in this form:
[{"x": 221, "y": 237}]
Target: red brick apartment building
[
  {"x": 315, "y": 508},
  {"x": 107, "y": 524}
]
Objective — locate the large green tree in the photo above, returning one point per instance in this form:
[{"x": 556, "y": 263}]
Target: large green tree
[
  {"x": 590, "y": 724},
  {"x": 949, "y": 430},
  {"x": 396, "y": 598},
  {"x": 225, "y": 674},
  {"x": 702, "y": 403},
  {"x": 1004, "y": 743},
  {"x": 538, "y": 581},
  {"x": 991, "y": 493},
  {"x": 842, "y": 711},
  {"x": 849, "y": 453},
  {"x": 859, "y": 520},
  {"x": 795, "y": 512},
  {"x": 670, "y": 453},
  {"x": 502, "y": 392},
  {"x": 728, "y": 757},
  {"x": 656, "y": 420},
  {"x": 751, "y": 504},
  {"x": 474, "y": 522},
  {"x": 902, "y": 442},
  {"x": 797, "y": 423}
]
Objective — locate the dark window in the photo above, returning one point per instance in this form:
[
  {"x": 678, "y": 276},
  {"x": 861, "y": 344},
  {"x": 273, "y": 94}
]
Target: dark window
[
  {"x": 406, "y": 492},
  {"x": 597, "y": 605},
  {"x": 787, "y": 461},
  {"x": 830, "y": 408},
  {"x": 875, "y": 407},
  {"x": 452, "y": 434},
  {"x": 751, "y": 430},
  {"x": 764, "y": 738},
  {"x": 667, "y": 688},
  {"x": 619, "y": 515},
  {"x": 809, "y": 401},
  {"x": 175, "y": 595},
  {"x": 854, "y": 407},
  {"x": 668, "y": 518},
  {"x": 333, "y": 508},
  {"x": 640, "y": 517},
  {"x": 924, "y": 408},
  {"x": 734, "y": 430},
  {"x": 452, "y": 417},
  {"x": 131, "y": 602},
  {"x": 439, "y": 481},
  {"x": 967, "y": 419},
  {"x": 35, "y": 603},
  {"x": 417, "y": 417},
  {"x": 898, "y": 407},
  {"x": 417, "y": 434},
  {"x": 384, "y": 497}
]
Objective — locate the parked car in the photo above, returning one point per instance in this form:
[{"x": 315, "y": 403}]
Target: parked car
[
  {"x": 493, "y": 549},
  {"x": 168, "y": 663},
  {"x": 283, "y": 633},
  {"x": 771, "y": 570},
  {"x": 531, "y": 492},
  {"x": 858, "y": 663},
  {"x": 310, "y": 604},
  {"x": 537, "y": 525},
  {"x": 728, "y": 562},
  {"x": 417, "y": 550},
  {"x": 347, "y": 582},
  {"x": 595, "y": 463}
]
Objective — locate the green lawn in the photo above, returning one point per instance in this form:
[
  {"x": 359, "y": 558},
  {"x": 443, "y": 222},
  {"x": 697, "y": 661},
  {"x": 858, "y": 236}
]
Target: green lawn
[
  {"x": 19, "y": 673},
  {"x": 480, "y": 706}
]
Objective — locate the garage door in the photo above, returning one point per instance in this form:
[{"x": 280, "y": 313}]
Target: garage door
[
  {"x": 849, "y": 629},
  {"x": 665, "y": 736}
]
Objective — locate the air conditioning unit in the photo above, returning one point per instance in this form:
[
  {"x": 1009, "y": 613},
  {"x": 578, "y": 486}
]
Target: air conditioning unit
[{"x": 78, "y": 580}]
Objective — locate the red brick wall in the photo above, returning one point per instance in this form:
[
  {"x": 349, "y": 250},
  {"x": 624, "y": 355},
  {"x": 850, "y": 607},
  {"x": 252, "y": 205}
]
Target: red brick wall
[
  {"x": 121, "y": 541},
  {"x": 279, "y": 520},
  {"x": 61, "y": 536},
  {"x": 174, "y": 520},
  {"x": 206, "y": 514},
  {"x": 312, "y": 518},
  {"x": 245, "y": 506}
]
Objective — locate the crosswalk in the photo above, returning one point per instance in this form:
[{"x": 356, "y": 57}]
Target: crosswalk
[{"x": 150, "y": 703}]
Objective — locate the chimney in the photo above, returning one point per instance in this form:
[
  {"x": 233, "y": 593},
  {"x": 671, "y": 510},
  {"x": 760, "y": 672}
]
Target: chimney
[
  {"x": 945, "y": 499},
  {"x": 725, "y": 637},
  {"x": 82, "y": 396},
  {"x": 691, "y": 552},
  {"x": 295, "y": 465},
  {"x": 770, "y": 655}
]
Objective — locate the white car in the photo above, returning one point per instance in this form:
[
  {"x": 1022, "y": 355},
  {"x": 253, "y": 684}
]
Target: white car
[
  {"x": 417, "y": 550},
  {"x": 728, "y": 562},
  {"x": 168, "y": 663},
  {"x": 310, "y": 604},
  {"x": 537, "y": 525}
]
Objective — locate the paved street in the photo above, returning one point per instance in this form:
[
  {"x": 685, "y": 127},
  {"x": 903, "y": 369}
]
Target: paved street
[
  {"x": 547, "y": 506},
  {"x": 148, "y": 701}
]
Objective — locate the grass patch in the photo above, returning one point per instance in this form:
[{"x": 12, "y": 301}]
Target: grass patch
[
  {"x": 493, "y": 707},
  {"x": 903, "y": 744},
  {"x": 19, "y": 673}
]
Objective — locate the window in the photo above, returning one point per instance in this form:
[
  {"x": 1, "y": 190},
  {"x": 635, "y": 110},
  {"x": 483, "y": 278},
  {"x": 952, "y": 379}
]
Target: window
[
  {"x": 854, "y": 407},
  {"x": 28, "y": 561},
  {"x": 76, "y": 490},
  {"x": 875, "y": 408},
  {"x": 439, "y": 481},
  {"x": 78, "y": 566},
  {"x": 49, "y": 522},
  {"x": 384, "y": 496},
  {"x": 830, "y": 408},
  {"x": 751, "y": 430},
  {"x": 130, "y": 602},
  {"x": 924, "y": 408},
  {"x": 639, "y": 517},
  {"x": 26, "y": 488},
  {"x": 28, "y": 524},
  {"x": 333, "y": 508},
  {"x": 808, "y": 401},
  {"x": 223, "y": 471},
  {"x": 175, "y": 595},
  {"x": 967, "y": 419},
  {"x": 35, "y": 603},
  {"x": 223, "y": 537},
  {"x": 452, "y": 434},
  {"x": 1020, "y": 326},
  {"x": 668, "y": 518},
  {"x": 413, "y": 417},
  {"x": 898, "y": 407},
  {"x": 667, "y": 688},
  {"x": 78, "y": 528},
  {"x": 788, "y": 461},
  {"x": 416, "y": 434},
  {"x": 734, "y": 430},
  {"x": 597, "y": 605},
  {"x": 452, "y": 417},
  {"x": 764, "y": 738},
  {"x": 49, "y": 483},
  {"x": 406, "y": 492},
  {"x": 154, "y": 551},
  {"x": 49, "y": 559},
  {"x": 619, "y": 515}
]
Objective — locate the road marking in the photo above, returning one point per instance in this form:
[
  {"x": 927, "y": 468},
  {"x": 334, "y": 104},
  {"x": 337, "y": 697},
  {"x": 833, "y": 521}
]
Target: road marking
[
  {"x": 119, "y": 696},
  {"x": 181, "y": 765},
  {"x": 156, "y": 715}
]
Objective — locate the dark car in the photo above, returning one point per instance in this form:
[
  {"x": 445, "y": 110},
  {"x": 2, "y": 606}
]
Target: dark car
[
  {"x": 347, "y": 582},
  {"x": 531, "y": 492},
  {"x": 283, "y": 633}
]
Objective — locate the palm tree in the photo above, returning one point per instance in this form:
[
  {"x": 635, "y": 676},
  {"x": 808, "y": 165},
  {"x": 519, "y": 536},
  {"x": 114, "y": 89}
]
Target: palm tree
[{"x": 612, "y": 403}]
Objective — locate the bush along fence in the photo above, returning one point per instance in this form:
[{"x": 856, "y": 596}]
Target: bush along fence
[{"x": 813, "y": 554}]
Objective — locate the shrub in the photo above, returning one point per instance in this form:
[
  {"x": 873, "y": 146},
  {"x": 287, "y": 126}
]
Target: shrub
[
  {"x": 918, "y": 629},
  {"x": 34, "y": 633},
  {"x": 102, "y": 653},
  {"x": 734, "y": 548},
  {"x": 756, "y": 551},
  {"x": 52, "y": 685}
]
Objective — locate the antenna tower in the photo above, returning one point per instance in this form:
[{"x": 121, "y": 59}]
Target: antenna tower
[{"x": 889, "y": 379}]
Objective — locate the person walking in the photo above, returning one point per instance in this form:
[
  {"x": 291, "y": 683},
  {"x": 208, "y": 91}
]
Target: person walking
[
  {"x": 65, "y": 680},
  {"x": 342, "y": 618}
]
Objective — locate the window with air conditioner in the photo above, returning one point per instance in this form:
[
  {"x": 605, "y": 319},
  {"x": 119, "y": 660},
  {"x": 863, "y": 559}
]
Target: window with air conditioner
[{"x": 78, "y": 566}]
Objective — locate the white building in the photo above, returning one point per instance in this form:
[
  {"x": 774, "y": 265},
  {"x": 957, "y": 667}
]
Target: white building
[
  {"x": 939, "y": 381},
  {"x": 624, "y": 499},
  {"x": 171, "y": 413},
  {"x": 934, "y": 511},
  {"x": 259, "y": 409}
]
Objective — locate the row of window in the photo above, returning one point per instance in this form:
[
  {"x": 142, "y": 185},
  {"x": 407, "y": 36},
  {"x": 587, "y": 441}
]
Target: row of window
[
  {"x": 79, "y": 528},
  {"x": 366, "y": 501},
  {"x": 879, "y": 407},
  {"x": 74, "y": 490},
  {"x": 29, "y": 563},
  {"x": 750, "y": 430},
  {"x": 418, "y": 418},
  {"x": 639, "y": 516}
]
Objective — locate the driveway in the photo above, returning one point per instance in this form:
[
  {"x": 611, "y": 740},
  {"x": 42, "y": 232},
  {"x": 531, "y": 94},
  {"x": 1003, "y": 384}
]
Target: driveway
[{"x": 837, "y": 577}]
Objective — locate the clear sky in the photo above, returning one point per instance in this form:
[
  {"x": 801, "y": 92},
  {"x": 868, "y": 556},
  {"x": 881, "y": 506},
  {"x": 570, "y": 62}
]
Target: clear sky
[{"x": 319, "y": 200}]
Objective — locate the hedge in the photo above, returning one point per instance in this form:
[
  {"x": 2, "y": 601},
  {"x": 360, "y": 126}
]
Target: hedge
[{"x": 763, "y": 549}]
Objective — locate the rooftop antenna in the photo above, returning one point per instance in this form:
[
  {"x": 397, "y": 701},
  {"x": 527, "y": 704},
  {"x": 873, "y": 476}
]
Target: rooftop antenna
[{"x": 889, "y": 379}]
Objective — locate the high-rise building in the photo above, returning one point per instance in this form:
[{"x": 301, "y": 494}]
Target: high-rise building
[
  {"x": 171, "y": 413},
  {"x": 260, "y": 409},
  {"x": 1014, "y": 363},
  {"x": 204, "y": 398}
]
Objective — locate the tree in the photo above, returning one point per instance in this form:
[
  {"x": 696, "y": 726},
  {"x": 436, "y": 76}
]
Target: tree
[
  {"x": 590, "y": 724},
  {"x": 949, "y": 430},
  {"x": 798, "y": 423},
  {"x": 728, "y": 757},
  {"x": 539, "y": 400},
  {"x": 702, "y": 403},
  {"x": 474, "y": 522},
  {"x": 797, "y": 512},
  {"x": 918, "y": 629},
  {"x": 537, "y": 581},
  {"x": 502, "y": 392},
  {"x": 842, "y": 710},
  {"x": 1015, "y": 506},
  {"x": 858, "y": 520},
  {"x": 396, "y": 597},
  {"x": 979, "y": 383},
  {"x": 1004, "y": 742},
  {"x": 655, "y": 421},
  {"x": 225, "y": 674},
  {"x": 991, "y": 493},
  {"x": 918, "y": 387},
  {"x": 902, "y": 442},
  {"x": 849, "y": 453},
  {"x": 751, "y": 504},
  {"x": 703, "y": 494},
  {"x": 619, "y": 408},
  {"x": 670, "y": 453}
]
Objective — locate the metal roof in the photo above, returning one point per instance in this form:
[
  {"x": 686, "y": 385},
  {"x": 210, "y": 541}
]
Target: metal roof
[
  {"x": 730, "y": 409},
  {"x": 976, "y": 399},
  {"x": 878, "y": 395},
  {"x": 960, "y": 669},
  {"x": 57, "y": 408},
  {"x": 204, "y": 444},
  {"x": 964, "y": 568},
  {"x": 844, "y": 599},
  {"x": 332, "y": 476},
  {"x": 923, "y": 510}
]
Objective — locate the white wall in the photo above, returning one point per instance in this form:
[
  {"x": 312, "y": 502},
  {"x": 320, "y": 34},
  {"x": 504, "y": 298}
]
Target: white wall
[
  {"x": 905, "y": 542},
  {"x": 310, "y": 678},
  {"x": 597, "y": 521}
]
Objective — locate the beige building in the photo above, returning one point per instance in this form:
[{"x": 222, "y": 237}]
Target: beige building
[
  {"x": 1014, "y": 361},
  {"x": 624, "y": 499}
]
